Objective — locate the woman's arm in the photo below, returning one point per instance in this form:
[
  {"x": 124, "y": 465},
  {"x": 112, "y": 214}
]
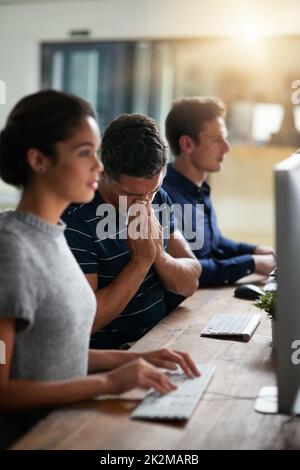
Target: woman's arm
[
  {"x": 166, "y": 358},
  {"x": 108, "y": 359},
  {"x": 20, "y": 394}
]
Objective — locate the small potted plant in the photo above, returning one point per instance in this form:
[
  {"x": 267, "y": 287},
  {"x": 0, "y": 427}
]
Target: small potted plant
[{"x": 267, "y": 302}]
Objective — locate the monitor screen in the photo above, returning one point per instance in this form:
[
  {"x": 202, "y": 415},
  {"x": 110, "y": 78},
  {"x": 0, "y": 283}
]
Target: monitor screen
[{"x": 287, "y": 186}]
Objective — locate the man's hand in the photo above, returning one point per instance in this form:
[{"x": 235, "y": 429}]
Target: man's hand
[
  {"x": 264, "y": 250},
  {"x": 156, "y": 233},
  {"x": 264, "y": 264},
  {"x": 140, "y": 243},
  {"x": 265, "y": 259}
]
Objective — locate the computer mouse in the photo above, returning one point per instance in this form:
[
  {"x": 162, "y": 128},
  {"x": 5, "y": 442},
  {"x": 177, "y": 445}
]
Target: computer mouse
[{"x": 248, "y": 292}]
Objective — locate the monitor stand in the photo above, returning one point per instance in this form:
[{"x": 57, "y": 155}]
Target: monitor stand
[{"x": 267, "y": 401}]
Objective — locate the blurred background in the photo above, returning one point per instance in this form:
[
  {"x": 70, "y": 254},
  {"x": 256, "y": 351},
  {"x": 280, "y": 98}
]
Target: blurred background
[{"x": 138, "y": 55}]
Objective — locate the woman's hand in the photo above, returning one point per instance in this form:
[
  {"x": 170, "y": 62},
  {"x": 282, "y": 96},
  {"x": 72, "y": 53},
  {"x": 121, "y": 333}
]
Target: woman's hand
[
  {"x": 168, "y": 359},
  {"x": 138, "y": 373}
]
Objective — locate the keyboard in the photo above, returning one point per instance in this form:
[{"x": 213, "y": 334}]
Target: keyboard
[
  {"x": 242, "y": 325},
  {"x": 179, "y": 404}
]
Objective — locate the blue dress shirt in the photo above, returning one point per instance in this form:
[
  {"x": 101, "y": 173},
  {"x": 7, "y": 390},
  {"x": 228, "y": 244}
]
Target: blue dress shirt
[{"x": 223, "y": 261}]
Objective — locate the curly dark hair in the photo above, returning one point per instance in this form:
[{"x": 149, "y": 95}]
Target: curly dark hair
[{"x": 132, "y": 145}]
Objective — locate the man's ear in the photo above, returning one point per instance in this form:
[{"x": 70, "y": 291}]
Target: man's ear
[
  {"x": 186, "y": 144},
  {"x": 37, "y": 160}
]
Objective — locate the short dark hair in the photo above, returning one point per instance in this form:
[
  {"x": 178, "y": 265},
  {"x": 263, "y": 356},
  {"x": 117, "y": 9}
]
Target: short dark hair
[
  {"x": 132, "y": 145},
  {"x": 188, "y": 116},
  {"x": 38, "y": 121}
]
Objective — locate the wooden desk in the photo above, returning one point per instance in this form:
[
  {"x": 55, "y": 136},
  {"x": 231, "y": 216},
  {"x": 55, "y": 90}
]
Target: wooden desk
[{"x": 225, "y": 417}]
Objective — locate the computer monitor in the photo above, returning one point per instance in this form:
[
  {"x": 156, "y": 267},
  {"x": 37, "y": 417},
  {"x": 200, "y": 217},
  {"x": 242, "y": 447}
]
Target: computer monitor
[{"x": 287, "y": 192}]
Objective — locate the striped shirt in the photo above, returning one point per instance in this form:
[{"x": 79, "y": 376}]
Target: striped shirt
[{"x": 102, "y": 249}]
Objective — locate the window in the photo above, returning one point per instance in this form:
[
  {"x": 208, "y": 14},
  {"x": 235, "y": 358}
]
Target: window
[
  {"x": 116, "y": 78},
  {"x": 267, "y": 119}
]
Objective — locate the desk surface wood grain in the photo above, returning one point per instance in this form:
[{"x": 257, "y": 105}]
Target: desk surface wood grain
[{"x": 225, "y": 416}]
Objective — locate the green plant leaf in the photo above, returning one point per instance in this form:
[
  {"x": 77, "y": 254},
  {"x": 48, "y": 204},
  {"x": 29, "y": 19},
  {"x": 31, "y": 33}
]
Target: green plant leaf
[{"x": 267, "y": 302}]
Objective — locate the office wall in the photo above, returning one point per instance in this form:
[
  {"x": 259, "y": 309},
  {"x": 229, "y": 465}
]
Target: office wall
[
  {"x": 24, "y": 27},
  {"x": 243, "y": 193}
]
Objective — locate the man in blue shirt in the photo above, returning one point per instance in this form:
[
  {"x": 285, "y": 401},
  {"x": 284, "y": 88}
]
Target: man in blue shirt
[
  {"x": 126, "y": 241},
  {"x": 197, "y": 135}
]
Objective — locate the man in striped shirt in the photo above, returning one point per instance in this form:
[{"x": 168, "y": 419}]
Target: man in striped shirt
[{"x": 126, "y": 241}]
